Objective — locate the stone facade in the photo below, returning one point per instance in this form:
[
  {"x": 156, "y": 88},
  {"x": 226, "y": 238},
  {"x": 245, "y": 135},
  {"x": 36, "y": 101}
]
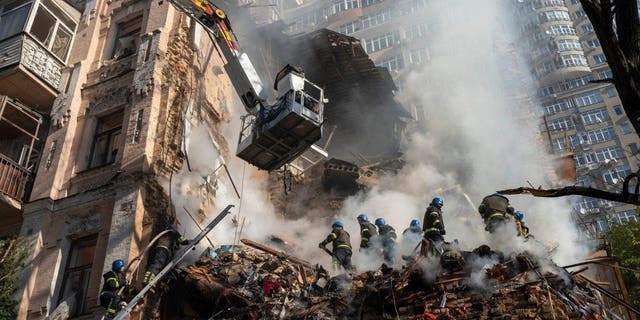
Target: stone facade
[{"x": 93, "y": 202}]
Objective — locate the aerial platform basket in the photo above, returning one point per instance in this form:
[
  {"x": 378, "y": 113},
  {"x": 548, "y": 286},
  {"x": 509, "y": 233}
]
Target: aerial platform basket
[{"x": 285, "y": 130}]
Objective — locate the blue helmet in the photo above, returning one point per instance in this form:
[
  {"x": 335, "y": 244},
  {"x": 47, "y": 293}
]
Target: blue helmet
[
  {"x": 117, "y": 265},
  {"x": 172, "y": 227},
  {"x": 519, "y": 215},
  {"x": 437, "y": 201},
  {"x": 414, "y": 223},
  {"x": 380, "y": 222},
  {"x": 338, "y": 223},
  {"x": 363, "y": 217}
]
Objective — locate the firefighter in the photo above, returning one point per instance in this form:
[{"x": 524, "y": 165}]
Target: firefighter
[
  {"x": 523, "y": 230},
  {"x": 368, "y": 233},
  {"x": 433, "y": 227},
  {"x": 162, "y": 252},
  {"x": 496, "y": 211},
  {"x": 111, "y": 295},
  {"x": 387, "y": 239},
  {"x": 413, "y": 234},
  {"x": 341, "y": 241}
]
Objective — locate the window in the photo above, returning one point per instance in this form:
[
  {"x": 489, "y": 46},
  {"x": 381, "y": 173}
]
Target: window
[
  {"x": 366, "y": 3},
  {"x": 568, "y": 45},
  {"x": 555, "y": 15},
  {"x": 616, "y": 175},
  {"x": 587, "y": 205},
  {"x": 611, "y": 92},
  {"x": 576, "y": 83},
  {"x": 106, "y": 140},
  {"x": 609, "y": 153},
  {"x": 601, "y": 134},
  {"x": 580, "y": 14},
  {"x": 419, "y": 56},
  {"x": 393, "y": 64},
  {"x": 584, "y": 181},
  {"x": 77, "y": 272},
  {"x": 603, "y": 226},
  {"x": 593, "y": 43},
  {"x": 625, "y": 216},
  {"x": 617, "y": 109},
  {"x": 13, "y": 19},
  {"x": 378, "y": 18},
  {"x": 599, "y": 58},
  {"x": 584, "y": 159},
  {"x": 626, "y": 128},
  {"x": 595, "y": 116},
  {"x": 605, "y": 74},
  {"x": 562, "y": 29},
  {"x": 379, "y": 43},
  {"x": 588, "y": 98},
  {"x": 339, "y": 6},
  {"x": 633, "y": 147},
  {"x": 560, "y": 124},
  {"x": 586, "y": 28},
  {"x": 571, "y": 60},
  {"x": 559, "y": 144},
  {"x": 416, "y": 31},
  {"x": 350, "y": 27},
  {"x": 127, "y": 38},
  {"x": 52, "y": 29}
]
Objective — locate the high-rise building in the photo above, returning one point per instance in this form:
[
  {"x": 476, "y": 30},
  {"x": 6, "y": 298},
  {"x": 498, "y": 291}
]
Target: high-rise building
[
  {"x": 580, "y": 118},
  {"x": 95, "y": 99},
  {"x": 387, "y": 28}
]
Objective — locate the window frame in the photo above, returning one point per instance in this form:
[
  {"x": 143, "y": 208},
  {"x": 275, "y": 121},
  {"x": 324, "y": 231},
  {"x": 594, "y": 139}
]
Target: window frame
[
  {"x": 37, "y": 4},
  {"x": 110, "y": 133},
  {"x": 85, "y": 270}
]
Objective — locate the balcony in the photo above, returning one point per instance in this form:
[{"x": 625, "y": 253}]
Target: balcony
[
  {"x": 20, "y": 145},
  {"x": 35, "y": 40}
]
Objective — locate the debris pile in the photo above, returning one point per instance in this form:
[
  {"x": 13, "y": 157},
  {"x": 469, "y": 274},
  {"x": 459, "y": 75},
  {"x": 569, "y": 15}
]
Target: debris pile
[{"x": 238, "y": 282}]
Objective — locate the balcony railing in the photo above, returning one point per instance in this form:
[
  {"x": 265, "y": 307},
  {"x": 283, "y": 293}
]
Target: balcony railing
[{"x": 14, "y": 179}]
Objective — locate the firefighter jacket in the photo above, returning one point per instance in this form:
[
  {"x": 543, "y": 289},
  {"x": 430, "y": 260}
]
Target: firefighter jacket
[
  {"x": 171, "y": 241},
  {"x": 412, "y": 231},
  {"x": 495, "y": 206},
  {"x": 387, "y": 233},
  {"x": 368, "y": 233},
  {"x": 433, "y": 220},
  {"x": 339, "y": 238},
  {"x": 113, "y": 281}
]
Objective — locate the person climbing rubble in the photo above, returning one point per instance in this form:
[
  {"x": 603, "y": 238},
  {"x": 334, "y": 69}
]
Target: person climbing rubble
[
  {"x": 523, "y": 230},
  {"x": 433, "y": 228},
  {"x": 387, "y": 239},
  {"x": 496, "y": 211},
  {"x": 163, "y": 251},
  {"x": 341, "y": 242},
  {"x": 115, "y": 285},
  {"x": 368, "y": 233}
]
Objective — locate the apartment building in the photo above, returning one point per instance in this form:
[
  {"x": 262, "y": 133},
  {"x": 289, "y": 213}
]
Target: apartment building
[
  {"x": 95, "y": 97},
  {"x": 389, "y": 30},
  {"x": 580, "y": 118}
]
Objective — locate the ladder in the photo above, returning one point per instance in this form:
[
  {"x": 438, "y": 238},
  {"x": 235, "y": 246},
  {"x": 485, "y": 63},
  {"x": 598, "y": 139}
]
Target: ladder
[{"x": 122, "y": 314}]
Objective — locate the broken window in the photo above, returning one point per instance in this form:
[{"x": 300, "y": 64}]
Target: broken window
[
  {"x": 77, "y": 272},
  {"x": 127, "y": 38},
  {"x": 106, "y": 141},
  {"x": 13, "y": 18},
  {"x": 53, "y": 29}
]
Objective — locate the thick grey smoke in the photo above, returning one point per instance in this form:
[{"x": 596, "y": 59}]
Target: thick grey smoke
[
  {"x": 479, "y": 133},
  {"x": 478, "y": 137}
]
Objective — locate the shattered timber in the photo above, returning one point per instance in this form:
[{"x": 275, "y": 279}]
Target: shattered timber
[{"x": 240, "y": 282}]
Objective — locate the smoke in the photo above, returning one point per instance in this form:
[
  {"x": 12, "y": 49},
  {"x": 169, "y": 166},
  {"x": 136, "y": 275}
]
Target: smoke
[
  {"x": 477, "y": 136},
  {"x": 478, "y": 133}
]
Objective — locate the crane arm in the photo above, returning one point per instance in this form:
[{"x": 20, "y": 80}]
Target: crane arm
[{"x": 241, "y": 72}]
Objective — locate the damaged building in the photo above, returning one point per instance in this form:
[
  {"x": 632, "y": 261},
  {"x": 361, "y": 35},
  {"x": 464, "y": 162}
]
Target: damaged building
[{"x": 95, "y": 96}]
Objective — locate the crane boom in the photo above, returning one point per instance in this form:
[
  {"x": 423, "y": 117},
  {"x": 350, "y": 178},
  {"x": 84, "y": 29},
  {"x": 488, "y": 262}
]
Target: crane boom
[{"x": 271, "y": 135}]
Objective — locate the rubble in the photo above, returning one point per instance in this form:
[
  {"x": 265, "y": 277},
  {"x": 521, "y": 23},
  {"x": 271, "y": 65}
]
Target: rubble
[{"x": 239, "y": 282}]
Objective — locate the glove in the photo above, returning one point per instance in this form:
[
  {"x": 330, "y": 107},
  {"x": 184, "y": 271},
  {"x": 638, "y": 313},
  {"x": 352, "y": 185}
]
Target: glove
[{"x": 122, "y": 305}]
